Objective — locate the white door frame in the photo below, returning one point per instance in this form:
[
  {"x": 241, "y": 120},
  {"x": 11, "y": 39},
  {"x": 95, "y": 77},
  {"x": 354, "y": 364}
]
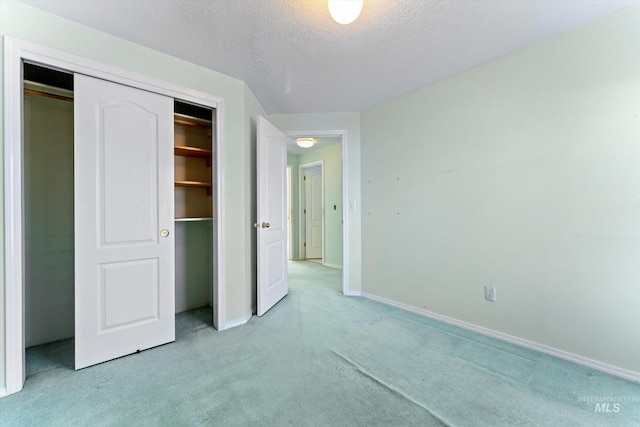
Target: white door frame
[
  {"x": 15, "y": 52},
  {"x": 289, "y": 212},
  {"x": 302, "y": 224},
  {"x": 342, "y": 134}
]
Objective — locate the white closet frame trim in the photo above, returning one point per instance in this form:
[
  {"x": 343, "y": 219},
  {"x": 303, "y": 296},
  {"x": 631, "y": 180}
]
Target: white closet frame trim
[{"x": 16, "y": 51}]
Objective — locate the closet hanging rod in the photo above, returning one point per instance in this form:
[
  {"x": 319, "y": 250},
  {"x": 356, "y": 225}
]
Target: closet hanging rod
[{"x": 47, "y": 95}]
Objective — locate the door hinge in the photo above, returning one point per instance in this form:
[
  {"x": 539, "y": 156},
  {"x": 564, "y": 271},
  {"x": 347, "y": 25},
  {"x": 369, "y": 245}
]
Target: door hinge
[
  {"x": 305, "y": 178},
  {"x": 305, "y": 244},
  {"x": 305, "y": 211}
]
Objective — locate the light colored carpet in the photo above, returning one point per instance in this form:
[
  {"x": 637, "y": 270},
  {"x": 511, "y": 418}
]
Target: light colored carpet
[{"x": 319, "y": 359}]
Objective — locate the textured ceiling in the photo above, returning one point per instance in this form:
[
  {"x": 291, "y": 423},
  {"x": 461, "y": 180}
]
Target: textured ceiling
[{"x": 295, "y": 59}]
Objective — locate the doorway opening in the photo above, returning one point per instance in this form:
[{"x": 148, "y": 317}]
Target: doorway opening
[
  {"x": 317, "y": 207},
  {"x": 48, "y": 205}
]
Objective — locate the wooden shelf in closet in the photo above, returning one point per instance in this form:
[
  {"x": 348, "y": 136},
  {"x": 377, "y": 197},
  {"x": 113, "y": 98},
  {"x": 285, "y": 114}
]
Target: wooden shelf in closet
[
  {"x": 181, "y": 150},
  {"x": 193, "y": 166},
  {"x": 182, "y": 119},
  {"x": 200, "y": 184},
  {"x": 185, "y": 151}
]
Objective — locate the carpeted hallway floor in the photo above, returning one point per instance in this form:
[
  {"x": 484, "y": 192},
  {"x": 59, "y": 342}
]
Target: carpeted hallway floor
[{"x": 319, "y": 359}]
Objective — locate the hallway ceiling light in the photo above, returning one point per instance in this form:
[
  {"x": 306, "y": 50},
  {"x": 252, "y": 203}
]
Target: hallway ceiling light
[
  {"x": 305, "y": 142},
  {"x": 345, "y": 11}
]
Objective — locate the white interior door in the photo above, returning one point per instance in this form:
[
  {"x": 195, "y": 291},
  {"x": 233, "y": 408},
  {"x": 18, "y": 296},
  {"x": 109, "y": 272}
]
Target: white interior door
[
  {"x": 271, "y": 216},
  {"x": 313, "y": 212},
  {"x": 124, "y": 245}
]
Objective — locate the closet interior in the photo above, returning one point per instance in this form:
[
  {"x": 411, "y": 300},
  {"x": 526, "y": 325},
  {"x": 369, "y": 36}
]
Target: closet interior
[
  {"x": 194, "y": 161},
  {"x": 48, "y": 205},
  {"x": 48, "y": 112}
]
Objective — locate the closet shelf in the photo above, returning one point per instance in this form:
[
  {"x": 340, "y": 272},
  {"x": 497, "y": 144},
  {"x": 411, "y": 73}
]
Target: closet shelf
[
  {"x": 181, "y": 150},
  {"x": 199, "y": 184},
  {"x": 193, "y": 219},
  {"x": 193, "y": 184},
  {"x": 182, "y": 119}
]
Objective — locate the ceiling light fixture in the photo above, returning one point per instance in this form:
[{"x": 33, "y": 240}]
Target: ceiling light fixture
[
  {"x": 305, "y": 142},
  {"x": 345, "y": 11}
]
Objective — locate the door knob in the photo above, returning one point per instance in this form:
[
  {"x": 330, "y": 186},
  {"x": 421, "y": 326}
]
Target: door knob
[
  {"x": 256, "y": 225},
  {"x": 266, "y": 225},
  {"x": 164, "y": 233}
]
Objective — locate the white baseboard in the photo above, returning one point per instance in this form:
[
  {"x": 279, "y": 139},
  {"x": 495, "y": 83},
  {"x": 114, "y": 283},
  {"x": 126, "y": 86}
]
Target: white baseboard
[
  {"x": 352, "y": 294},
  {"x": 594, "y": 364},
  {"x": 3, "y": 391},
  {"x": 236, "y": 322}
]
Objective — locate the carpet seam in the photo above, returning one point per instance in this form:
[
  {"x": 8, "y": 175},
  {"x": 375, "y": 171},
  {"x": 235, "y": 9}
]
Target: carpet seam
[{"x": 389, "y": 387}]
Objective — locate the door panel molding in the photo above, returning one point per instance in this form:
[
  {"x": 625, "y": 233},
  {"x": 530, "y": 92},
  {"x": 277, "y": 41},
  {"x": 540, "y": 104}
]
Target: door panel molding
[{"x": 109, "y": 289}]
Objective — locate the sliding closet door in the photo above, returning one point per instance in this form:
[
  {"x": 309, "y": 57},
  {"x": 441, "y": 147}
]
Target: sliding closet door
[{"x": 124, "y": 246}]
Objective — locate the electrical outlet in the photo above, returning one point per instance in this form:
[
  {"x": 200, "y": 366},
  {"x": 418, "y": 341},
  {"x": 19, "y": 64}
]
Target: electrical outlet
[{"x": 490, "y": 293}]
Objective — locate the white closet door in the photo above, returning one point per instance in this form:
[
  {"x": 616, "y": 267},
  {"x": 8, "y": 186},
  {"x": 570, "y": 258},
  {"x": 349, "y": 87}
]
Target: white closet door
[
  {"x": 124, "y": 245},
  {"x": 272, "y": 215}
]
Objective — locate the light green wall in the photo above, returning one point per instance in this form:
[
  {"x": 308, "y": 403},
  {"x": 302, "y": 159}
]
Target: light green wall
[
  {"x": 521, "y": 174},
  {"x": 331, "y": 156},
  {"x": 349, "y": 122},
  {"x": 30, "y": 24}
]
